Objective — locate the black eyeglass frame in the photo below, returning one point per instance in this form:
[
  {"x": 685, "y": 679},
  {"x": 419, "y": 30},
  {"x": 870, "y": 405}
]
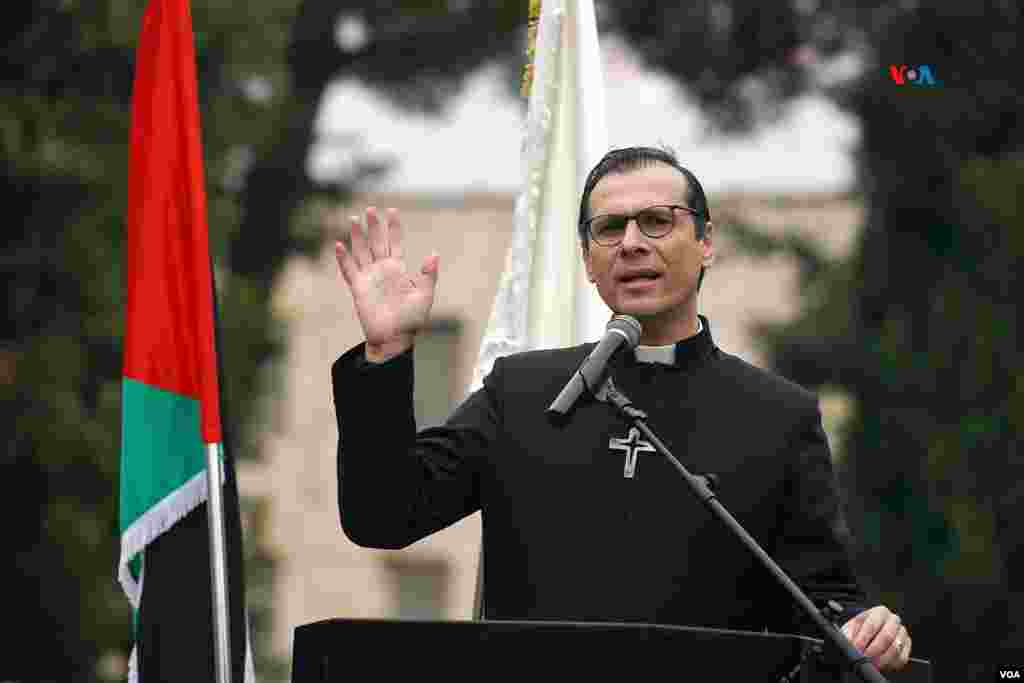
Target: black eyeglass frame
[{"x": 634, "y": 217}]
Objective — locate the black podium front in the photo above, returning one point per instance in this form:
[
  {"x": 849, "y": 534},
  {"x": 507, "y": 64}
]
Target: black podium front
[{"x": 350, "y": 649}]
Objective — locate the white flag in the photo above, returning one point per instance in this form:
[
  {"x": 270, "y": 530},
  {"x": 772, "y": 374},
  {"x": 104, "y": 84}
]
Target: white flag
[{"x": 544, "y": 299}]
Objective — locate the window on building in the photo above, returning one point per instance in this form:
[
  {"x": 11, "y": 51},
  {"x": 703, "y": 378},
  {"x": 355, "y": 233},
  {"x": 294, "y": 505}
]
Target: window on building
[
  {"x": 435, "y": 354},
  {"x": 420, "y": 585}
]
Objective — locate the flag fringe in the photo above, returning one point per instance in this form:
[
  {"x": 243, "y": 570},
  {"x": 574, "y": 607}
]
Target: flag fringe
[
  {"x": 157, "y": 520},
  {"x": 154, "y": 522},
  {"x": 133, "y": 666}
]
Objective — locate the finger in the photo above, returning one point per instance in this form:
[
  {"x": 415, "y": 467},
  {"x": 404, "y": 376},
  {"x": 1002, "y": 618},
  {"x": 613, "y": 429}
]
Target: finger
[
  {"x": 360, "y": 252},
  {"x": 377, "y": 230},
  {"x": 394, "y": 234},
  {"x": 347, "y": 264},
  {"x": 896, "y": 656},
  {"x": 904, "y": 652},
  {"x": 885, "y": 638},
  {"x": 887, "y": 661},
  {"x": 429, "y": 271},
  {"x": 852, "y": 627},
  {"x": 869, "y": 627}
]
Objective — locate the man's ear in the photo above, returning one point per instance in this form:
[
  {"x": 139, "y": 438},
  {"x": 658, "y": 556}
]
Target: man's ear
[
  {"x": 708, "y": 244},
  {"x": 585, "y": 254}
]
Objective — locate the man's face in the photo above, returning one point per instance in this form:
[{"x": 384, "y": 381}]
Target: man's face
[{"x": 652, "y": 279}]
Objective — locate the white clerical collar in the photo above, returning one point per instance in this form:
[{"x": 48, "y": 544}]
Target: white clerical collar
[{"x": 665, "y": 355}]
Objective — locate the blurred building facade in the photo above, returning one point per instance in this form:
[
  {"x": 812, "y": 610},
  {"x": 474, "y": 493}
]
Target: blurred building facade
[{"x": 320, "y": 573}]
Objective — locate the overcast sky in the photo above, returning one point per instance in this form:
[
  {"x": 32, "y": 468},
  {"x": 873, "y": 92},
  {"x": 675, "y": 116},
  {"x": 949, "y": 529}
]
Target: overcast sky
[{"x": 475, "y": 145}]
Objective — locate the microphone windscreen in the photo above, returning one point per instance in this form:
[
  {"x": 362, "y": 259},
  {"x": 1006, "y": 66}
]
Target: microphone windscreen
[{"x": 628, "y": 326}]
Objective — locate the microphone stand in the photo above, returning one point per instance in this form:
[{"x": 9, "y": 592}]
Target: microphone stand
[{"x": 702, "y": 487}]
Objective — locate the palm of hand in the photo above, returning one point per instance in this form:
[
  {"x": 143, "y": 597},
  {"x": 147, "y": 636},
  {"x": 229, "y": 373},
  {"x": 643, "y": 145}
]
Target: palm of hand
[{"x": 389, "y": 301}]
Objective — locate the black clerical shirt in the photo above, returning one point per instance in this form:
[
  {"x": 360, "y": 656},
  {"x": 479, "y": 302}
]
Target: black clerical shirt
[{"x": 572, "y": 528}]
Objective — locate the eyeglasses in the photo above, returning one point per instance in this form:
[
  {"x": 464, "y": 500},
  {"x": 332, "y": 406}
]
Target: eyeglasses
[{"x": 609, "y": 229}]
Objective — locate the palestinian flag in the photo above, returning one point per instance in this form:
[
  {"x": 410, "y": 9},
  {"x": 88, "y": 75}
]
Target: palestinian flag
[{"x": 170, "y": 396}]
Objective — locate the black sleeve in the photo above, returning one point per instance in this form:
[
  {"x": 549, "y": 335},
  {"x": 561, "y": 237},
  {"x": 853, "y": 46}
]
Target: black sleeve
[
  {"x": 815, "y": 545},
  {"x": 396, "y": 486}
]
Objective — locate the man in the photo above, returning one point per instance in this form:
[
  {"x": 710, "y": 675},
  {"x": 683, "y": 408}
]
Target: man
[{"x": 579, "y": 523}]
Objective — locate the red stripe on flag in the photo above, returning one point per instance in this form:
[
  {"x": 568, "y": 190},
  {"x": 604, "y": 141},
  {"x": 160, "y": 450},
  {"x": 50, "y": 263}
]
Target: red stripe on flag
[{"x": 169, "y": 322}]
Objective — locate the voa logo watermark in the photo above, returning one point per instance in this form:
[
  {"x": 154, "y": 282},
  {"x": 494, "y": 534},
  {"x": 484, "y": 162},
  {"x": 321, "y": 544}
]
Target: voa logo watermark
[
  {"x": 923, "y": 74},
  {"x": 1010, "y": 674}
]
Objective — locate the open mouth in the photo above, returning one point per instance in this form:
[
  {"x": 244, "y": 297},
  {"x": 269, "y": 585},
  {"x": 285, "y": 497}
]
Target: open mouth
[{"x": 639, "y": 277}]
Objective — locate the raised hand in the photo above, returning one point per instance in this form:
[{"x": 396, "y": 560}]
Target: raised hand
[{"x": 392, "y": 303}]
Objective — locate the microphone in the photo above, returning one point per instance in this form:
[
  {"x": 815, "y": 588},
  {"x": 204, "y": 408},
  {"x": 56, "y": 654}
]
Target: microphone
[{"x": 622, "y": 331}]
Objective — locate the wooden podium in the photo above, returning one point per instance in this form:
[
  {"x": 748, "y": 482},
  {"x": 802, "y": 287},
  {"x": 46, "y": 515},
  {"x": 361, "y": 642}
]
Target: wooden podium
[{"x": 362, "y": 649}]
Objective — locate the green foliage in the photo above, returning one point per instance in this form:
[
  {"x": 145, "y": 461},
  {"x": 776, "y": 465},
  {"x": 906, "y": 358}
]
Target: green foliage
[
  {"x": 919, "y": 329},
  {"x": 64, "y": 126}
]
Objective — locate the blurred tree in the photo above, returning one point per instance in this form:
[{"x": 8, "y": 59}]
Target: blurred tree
[{"x": 67, "y": 78}]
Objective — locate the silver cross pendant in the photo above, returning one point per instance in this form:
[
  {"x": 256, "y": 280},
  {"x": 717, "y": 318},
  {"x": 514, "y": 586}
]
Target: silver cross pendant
[{"x": 632, "y": 445}]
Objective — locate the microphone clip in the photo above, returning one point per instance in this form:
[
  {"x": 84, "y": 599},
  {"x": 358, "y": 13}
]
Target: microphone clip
[{"x": 609, "y": 393}]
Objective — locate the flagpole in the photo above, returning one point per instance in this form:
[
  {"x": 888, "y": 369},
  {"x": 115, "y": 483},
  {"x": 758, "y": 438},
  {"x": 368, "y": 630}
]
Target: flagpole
[
  {"x": 217, "y": 455},
  {"x": 218, "y": 563}
]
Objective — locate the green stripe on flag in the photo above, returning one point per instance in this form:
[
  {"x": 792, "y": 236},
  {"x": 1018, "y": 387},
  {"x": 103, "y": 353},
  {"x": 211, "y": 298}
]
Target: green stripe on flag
[
  {"x": 163, "y": 471},
  {"x": 161, "y": 447}
]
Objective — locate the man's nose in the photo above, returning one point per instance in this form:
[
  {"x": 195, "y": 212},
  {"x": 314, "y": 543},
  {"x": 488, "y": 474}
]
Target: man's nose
[{"x": 634, "y": 238}]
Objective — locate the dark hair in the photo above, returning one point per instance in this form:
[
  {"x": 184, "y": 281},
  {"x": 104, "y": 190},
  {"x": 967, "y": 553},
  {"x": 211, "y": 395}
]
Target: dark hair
[{"x": 632, "y": 158}]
